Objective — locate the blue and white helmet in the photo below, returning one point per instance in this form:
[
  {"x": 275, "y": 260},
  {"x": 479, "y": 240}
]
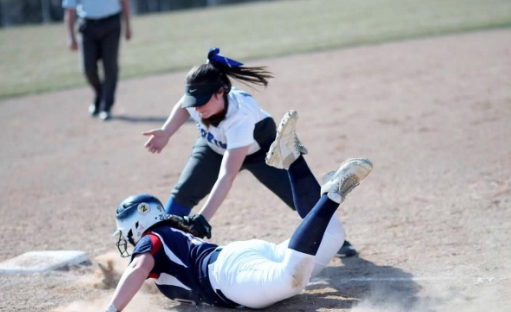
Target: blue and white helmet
[{"x": 134, "y": 216}]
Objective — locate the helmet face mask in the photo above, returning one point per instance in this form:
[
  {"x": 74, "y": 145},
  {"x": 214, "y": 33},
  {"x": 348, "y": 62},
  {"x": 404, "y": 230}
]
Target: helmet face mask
[
  {"x": 122, "y": 246},
  {"x": 134, "y": 216}
]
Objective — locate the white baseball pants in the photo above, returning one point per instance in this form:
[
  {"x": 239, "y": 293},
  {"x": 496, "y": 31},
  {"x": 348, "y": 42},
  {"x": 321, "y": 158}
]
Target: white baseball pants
[{"x": 257, "y": 274}]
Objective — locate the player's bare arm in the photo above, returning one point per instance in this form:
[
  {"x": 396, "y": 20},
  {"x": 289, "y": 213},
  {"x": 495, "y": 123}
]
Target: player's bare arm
[
  {"x": 126, "y": 17},
  {"x": 231, "y": 164},
  {"x": 70, "y": 17},
  {"x": 160, "y": 137},
  {"x": 132, "y": 279}
]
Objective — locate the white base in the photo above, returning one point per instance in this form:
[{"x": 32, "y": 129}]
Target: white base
[{"x": 41, "y": 261}]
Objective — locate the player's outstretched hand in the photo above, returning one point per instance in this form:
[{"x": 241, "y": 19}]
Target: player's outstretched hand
[{"x": 157, "y": 141}]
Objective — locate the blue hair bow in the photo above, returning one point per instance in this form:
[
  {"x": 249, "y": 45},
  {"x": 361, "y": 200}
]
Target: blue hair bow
[{"x": 214, "y": 56}]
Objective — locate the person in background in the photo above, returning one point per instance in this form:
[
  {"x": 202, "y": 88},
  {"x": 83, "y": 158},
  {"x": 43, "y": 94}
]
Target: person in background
[
  {"x": 99, "y": 29},
  {"x": 235, "y": 134}
]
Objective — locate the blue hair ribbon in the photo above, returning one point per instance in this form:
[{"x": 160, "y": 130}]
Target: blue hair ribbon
[{"x": 215, "y": 56}]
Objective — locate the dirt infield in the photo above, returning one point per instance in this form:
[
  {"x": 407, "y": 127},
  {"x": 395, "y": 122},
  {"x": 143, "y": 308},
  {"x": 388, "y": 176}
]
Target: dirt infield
[{"x": 432, "y": 222}]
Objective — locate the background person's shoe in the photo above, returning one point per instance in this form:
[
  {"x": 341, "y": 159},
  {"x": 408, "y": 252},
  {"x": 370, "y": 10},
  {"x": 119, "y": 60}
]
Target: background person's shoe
[
  {"x": 105, "y": 115},
  {"x": 93, "y": 110},
  {"x": 338, "y": 184},
  {"x": 286, "y": 148},
  {"x": 347, "y": 250}
]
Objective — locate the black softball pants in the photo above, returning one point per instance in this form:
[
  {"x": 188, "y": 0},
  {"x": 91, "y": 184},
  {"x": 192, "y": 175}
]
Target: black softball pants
[
  {"x": 201, "y": 171},
  {"x": 100, "y": 41}
]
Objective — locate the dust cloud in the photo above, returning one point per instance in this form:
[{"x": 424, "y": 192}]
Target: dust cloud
[
  {"x": 109, "y": 268},
  {"x": 141, "y": 302},
  {"x": 108, "y": 272}
]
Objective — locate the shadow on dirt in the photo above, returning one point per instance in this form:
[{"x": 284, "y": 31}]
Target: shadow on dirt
[
  {"x": 135, "y": 119},
  {"x": 147, "y": 119},
  {"x": 365, "y": 285},
  {"x": 358, "y": 285}
]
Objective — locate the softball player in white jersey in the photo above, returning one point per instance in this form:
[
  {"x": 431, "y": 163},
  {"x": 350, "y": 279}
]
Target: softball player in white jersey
[
  {"x": 235, "y": 134},
  {"x": 254, "y": 273}
]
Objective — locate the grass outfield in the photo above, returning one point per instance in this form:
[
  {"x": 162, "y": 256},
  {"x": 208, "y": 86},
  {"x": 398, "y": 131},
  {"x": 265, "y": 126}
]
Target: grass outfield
[{"x": 36, "y": 59}]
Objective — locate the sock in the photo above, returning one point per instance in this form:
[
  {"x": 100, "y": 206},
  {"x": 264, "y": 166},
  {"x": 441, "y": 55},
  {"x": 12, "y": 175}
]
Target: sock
[
  {"x": 174, "y": 208},
  {"x": 304, "y": 185},
  {"x": 307, "y": 237}
]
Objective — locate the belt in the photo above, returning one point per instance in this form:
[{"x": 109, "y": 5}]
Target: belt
[{"x": 95, "y": 20}]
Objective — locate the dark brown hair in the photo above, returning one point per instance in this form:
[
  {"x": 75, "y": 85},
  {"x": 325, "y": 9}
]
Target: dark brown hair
[
  {"x": 176, "y": 222},
  {"x": 214, "y": 72}
]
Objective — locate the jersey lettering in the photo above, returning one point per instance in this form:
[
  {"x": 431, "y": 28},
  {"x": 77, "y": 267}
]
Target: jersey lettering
[{"x": 210, "y": 138}]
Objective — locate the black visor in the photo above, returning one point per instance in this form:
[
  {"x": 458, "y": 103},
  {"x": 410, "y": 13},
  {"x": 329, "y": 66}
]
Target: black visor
[{"x": 198, "y": 95}]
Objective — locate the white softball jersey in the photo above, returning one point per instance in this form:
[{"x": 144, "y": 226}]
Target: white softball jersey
[{"x": 237, "y": 129}]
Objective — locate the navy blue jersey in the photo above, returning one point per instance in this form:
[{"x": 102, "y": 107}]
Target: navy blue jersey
[{"x": 180, "y": 264}]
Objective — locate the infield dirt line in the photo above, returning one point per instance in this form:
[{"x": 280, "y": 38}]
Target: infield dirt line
[{"x": 407, "y": 279}]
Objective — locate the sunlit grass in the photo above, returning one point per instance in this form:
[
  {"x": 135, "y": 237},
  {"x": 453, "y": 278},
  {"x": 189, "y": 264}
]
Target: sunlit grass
[{"x": 36, "y": 58}]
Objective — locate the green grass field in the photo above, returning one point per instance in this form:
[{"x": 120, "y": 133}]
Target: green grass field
[{"x": 36, "y": 59}]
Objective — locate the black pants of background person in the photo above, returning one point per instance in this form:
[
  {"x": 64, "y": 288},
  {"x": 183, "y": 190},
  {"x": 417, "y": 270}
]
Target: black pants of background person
[{"x": 100, "y": 41}]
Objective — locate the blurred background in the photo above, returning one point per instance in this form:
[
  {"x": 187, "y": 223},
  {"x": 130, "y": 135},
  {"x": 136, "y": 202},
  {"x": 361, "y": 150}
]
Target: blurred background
[
  {"x": 20, "y": 12},
  {"x": 34, "y": 56}
]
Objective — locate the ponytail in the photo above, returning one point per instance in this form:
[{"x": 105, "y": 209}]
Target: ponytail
[
  {"x": 219, "y": 68},
  {"x": 176, "y": 222}
]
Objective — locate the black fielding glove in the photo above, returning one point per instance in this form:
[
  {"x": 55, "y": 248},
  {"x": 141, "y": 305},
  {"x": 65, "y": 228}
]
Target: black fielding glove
[{"x": 200, "y": 225}]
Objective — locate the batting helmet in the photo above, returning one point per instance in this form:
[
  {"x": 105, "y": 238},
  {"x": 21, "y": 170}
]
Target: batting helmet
[{"x": 134, "y": 216}]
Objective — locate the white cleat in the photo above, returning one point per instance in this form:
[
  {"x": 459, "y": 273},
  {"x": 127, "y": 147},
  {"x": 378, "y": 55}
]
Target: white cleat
[
  {"x": 286, "y": 148},
  {"x": 337, "y": 184}
]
